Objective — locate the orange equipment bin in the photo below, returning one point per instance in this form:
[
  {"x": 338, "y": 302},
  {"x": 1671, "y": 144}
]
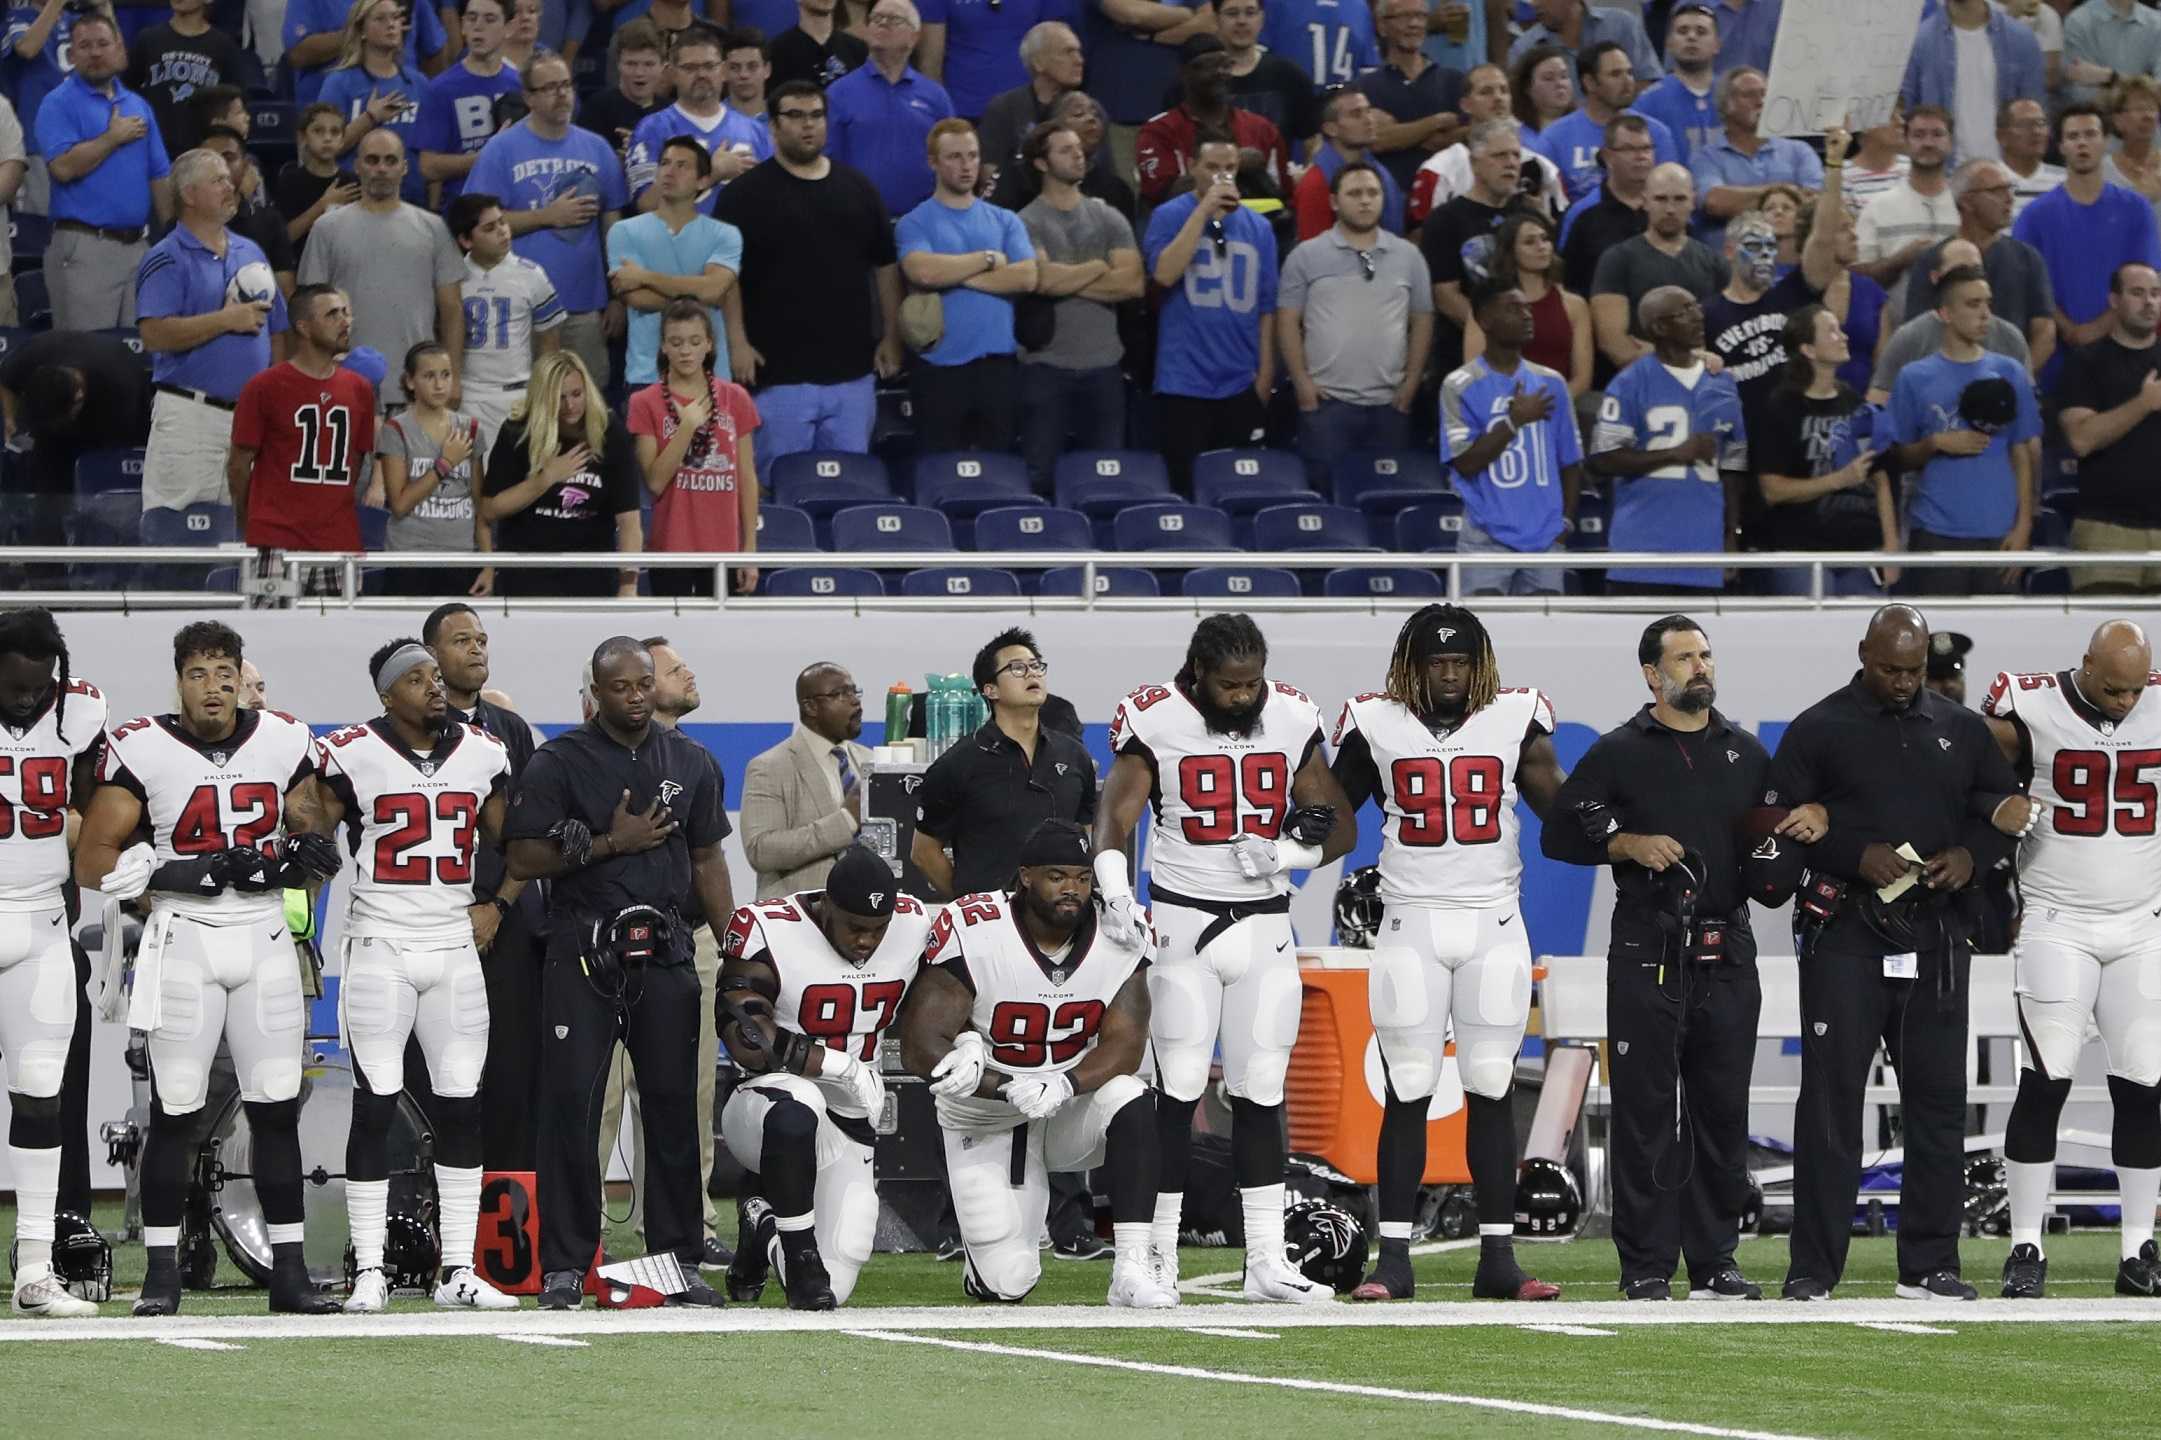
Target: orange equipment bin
[{"x": 1335, "y": 1089}]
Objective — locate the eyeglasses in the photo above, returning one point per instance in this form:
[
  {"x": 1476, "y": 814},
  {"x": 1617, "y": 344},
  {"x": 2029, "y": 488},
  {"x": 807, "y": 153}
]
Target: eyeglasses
[
  {"x": 1019, "y": 668},
  {"x": 1365, "y": 263},
  {"x": 846, "y": 692},
  {"x": 710, "y": 67},
  {"x": 560, "y": 87},
  {"x": 803, "y": 116},
  {"x": 891, "y": 21}
]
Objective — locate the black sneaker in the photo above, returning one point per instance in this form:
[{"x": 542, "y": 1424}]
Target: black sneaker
[
  {"x": 1085, "y": 1246},
  {"x": 1648, "y": 1288},
  {"x": 754, "y": 1233},
  {"x": 2139, "y": 1275},
  {"x": 1803, "y": 1287},
  {"x": 696, "y": 1292},
  {"x": 809, "y": 1286},
  {"x": 292, "y": 1292},
  {"x": 716, "y": 1256},
  {"x": 1727, "y": 1284},
  {"x": 2025, "y": 1273},
  {"x": 949, "y": 1248},
  {"x": 1391, "y": 1278},
  {"x": 161, "y": 1286},
  {"x": 1499, "y": 1277},
  {"x": 1941, "y": 1285},
  {"x": 562, "y": 1290}
]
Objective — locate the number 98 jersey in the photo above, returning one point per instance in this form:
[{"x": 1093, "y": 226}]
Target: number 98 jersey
[
  {"x": 36, "y": 768},
  {"x": 418, "y": 817},
  {"x": 1212, "y": 787},
  {"x": 2097, "y": 846}
]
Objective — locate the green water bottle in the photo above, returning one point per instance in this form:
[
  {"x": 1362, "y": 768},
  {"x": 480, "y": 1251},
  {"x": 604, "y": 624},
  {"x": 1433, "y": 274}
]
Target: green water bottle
[{"x": 897, "y": 700}]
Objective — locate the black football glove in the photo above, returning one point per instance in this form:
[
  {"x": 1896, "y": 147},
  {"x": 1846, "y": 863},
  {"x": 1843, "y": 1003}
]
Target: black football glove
[
  {"x": 251, "y": 871},
  {"x": 316, "y": 857},
  {"x": 1311, "y": 824},
  {"x": 1599, "y": 822},
  {"x": 195, "y": 875}
]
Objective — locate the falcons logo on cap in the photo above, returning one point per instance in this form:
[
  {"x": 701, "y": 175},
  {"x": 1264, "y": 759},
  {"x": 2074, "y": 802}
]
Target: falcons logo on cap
[{"x": 1444, "y": 633}]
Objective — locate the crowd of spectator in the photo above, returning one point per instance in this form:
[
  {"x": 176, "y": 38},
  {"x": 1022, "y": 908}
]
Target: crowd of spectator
[{"x": 602, "y": 265}]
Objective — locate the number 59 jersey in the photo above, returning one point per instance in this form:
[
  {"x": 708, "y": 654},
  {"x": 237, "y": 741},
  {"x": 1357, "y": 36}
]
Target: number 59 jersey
[
  {"x": 36, "y": 768},
  {"x": 1211, "y": 787},
  {"x": 418, "y": 817},
  {"x": 2097, "y": 782},
  {"x": 1450, "y": 833}
]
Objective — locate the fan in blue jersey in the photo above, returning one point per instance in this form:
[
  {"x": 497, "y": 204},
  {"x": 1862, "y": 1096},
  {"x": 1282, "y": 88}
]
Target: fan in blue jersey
[
  {"x": 1670, "y": 435},
  {"x": 1574, "y": 140},
  {"x": 1331, "y": 40},
  {"x": 734, "y": 140},
  {"x": 457, "y": 111}
]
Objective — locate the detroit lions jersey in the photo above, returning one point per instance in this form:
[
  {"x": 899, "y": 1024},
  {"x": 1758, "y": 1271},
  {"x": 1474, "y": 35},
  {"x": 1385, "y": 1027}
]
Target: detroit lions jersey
[
  {"x": 1679, "y": 507},
  {"x": 417, "y": 818},
  {"x": 1449, "y": 798},
  {"x": 36, "y": 767},
  {"x": 840, "y": 1004},
  {"x": 1211, "y": 787},
  {"x": 731, "y": 129},
  {"x": 504, "y": 308},
  {"x": 203, "y": 796},
  {"x": 2097, "y": 846}
]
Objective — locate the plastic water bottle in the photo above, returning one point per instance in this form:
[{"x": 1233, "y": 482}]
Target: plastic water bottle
[{"x": 897, "y": 701}]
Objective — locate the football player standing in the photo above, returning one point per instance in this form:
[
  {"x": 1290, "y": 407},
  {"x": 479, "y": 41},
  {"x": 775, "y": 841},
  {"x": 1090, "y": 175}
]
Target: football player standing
[
  {"x": 1234, "y": 767},
  {"x": 1444, "y": 751}
]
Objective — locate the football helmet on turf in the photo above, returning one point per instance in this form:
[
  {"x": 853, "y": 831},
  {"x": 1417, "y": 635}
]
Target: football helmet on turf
[
  {"x": 81, "y": 1258},
  {"x": 1326, "y": 1243},
  {"x": 1549, "y": 1203}
]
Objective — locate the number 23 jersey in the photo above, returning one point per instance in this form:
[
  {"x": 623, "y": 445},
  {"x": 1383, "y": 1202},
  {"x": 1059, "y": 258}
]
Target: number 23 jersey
[
  {"x": 1211, "y": 787},
  {"x": 2097, "y": 846}
]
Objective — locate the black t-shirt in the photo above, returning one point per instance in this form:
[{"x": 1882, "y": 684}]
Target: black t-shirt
[
  {"x": 575, "y": 516},
  {"x": 1458, "y": 241},
  {"x": 169, "y": 69},
  {"x": 1437, "y": 88},
  {"x": 296, "y": 188},
  {"x": 2115, "y": 484},
  {"x": 266, "y": 227},
  {"x": 1806, "y": 439},
  {"x": 1280, "y": 91},
  {"x": 612, "y": 115},
  {"x": 1598, "y": 229},
  {"x": 984, "y": 799},
  {"x": 795, "y": 56},
  {"x": 116, "y": 398},
  {"x": 811, "y": 249},
  {"x": 1751, "y": 338}
]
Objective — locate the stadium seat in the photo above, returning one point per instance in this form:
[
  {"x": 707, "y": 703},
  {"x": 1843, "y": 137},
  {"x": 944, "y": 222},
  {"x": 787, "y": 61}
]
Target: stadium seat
[
  {"x": 1171, "y": 527},
  {"x": 33, "y": 303},
  {"x": 819, "y": 482},
  {"x": 1238, "y": 482},
  {"x": 97, "y": 471},
  {"x": 1099, "y": 483},
  {"x": 273, "y": 138},
  {"x": 1033, "y": 527},
  {"x": 223, "y": 579},
  {"x": 108, "y": 517},
  {"x": 822, "y": 581},
  {"x": 374, "y": 528},
  {"x": 1430, "y": 524},
  {"x": 1310, "y": 527},
  {"x": 1589, "y": 530},
  {"x": 942, "y": 580},
  {"x": 892, "y": 433},
  {"x": 128, "y": 336},
  {"x": 890, "y": 527},
  {"x": 1383, "y": 482},
  {"x": 196, "y": 525},
  {"x": 1361, "y": 581},
  {"x": 963, "y": 483},
  {"x": 781, "y": 527},
  {"x": 1119, "y": 581},
  {"x": 28, "y": 235},
  {"x": 12, "y": 336},
  {"x": 1243, "y": 582}
]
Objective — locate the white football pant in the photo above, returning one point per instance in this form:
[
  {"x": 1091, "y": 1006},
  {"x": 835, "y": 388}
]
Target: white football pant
[
  {"x": 845, "y": 1199},
  {"x": 2071, "y": 967},
  {"x": 1433, "y": 968},
  {"x": 1243, "y": 991},
  {"x": 394, "y": 989},
  {"x": 37, "y": 999},
  {"x": 241, "y": 981}
]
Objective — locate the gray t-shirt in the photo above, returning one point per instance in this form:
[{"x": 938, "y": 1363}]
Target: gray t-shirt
[
  {"x": 388, "y": 265},
  {"x": 1636, "y": 267},
  {"x": 1922, "y": 337},
  {"x": 444, "y": 520},
  {"x": 1356, "y": 328},
  {"x": 1086, "y": 337},
  {"x": 2018, "y": 283}
]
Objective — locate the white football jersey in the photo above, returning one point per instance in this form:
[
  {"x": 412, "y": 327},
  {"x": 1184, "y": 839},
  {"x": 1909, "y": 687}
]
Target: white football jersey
[
  {"x": 1212, "y": 787},
  {"x": 36, "y": 766},
  {"x": 2097, "y": 847},
  {"x": 504, "y": 308},
  {"x": 418, "y": 818},
  {"x": 1449, "y": 836},
  {"x": 202, "y": 796},
  {"x": 1039, "y": 1013},
  {"x": 842, "y": 1005}
]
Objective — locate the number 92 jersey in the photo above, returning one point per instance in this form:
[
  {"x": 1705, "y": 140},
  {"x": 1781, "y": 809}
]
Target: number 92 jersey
[
  {"x": 36, "y": 768},
  {"x": 1211, "y": 787},
  {"x": 1450, "y": 799},
  {"x": 417, "y": 817},
  {"x": 2097, "y": 847},
  {"x": 841, "y": 1005}
]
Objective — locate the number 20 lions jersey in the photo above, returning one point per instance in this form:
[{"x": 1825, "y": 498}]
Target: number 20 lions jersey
[
  {"x": 36, "y": 769},
  {"x": 2097, "y": 846},
  {"x": 1449, "y": 799}
]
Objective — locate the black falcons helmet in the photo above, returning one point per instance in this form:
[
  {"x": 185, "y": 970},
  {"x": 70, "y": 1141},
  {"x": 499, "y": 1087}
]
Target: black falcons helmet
[
  {"x": 1358, "y": 907},
  {"x": 81, "y": 1258},
  {"x": 1988, "y": 404},
  {"x": 1548, "y": 1203},
  {"x": 1326, "y": 1244},
  {"x": 411, "y": 1256}
]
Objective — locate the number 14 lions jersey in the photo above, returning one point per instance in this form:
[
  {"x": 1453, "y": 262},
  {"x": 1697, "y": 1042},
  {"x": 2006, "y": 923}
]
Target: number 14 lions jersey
[{"x": 2097, "y": 846}]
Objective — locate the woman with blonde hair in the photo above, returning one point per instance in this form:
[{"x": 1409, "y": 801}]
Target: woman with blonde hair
[
  {"x": 373, "y": 86},
  {"x": 562, "y": 480},
  {"x": 2134, "y": 112}
]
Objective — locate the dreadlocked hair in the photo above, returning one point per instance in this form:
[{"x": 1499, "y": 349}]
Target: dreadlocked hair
[
  {"x": 1218, "y": 639},
  {"x": 32, "y": 633},
  {"x": 1407, "y": 677}
]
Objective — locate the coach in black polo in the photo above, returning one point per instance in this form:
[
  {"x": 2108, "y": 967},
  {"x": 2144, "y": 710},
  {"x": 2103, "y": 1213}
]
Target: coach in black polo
[{"x": 619, "y": 814}]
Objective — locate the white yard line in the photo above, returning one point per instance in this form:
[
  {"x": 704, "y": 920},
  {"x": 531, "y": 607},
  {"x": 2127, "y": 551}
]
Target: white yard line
[
  {"x": 1201, "y": 1284},
  {"x": 1567, "y": 1330},
  {"x": 1230, "y": 1334},
  {"x": 562, "y": 1342},
  {"x": 201, "y": 1345},
  {"x": 1900, "y": 1327},
  {"x": 1327, "y": 1387}
]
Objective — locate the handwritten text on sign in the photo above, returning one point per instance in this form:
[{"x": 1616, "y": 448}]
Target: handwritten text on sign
[{"x": 1838, "y": 61}]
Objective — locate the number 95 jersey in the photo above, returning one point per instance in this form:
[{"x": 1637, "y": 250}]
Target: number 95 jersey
[
  {"x": 417, "y": 817},
  {"x": 1211, "y": 787},
  {"x": 2097, "y": 847}
]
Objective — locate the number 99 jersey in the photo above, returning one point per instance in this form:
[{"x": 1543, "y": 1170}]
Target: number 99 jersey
[
  {"x": 417, "y": 817},
  {"x": 2097, "y": 847},
  {"x": 1211, "y": 787},
  {"x": 36, "y": 767},
  {"x": 1449, "y": 799}
]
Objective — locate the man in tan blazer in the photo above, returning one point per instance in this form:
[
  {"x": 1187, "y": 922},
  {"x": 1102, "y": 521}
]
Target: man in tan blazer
[{"x": 803, "y": 799}]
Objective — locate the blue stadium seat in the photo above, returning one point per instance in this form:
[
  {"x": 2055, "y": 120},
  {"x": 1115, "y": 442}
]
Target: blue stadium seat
[
  {"x": 1430, "y": 524},
  {"x": 33, "y": 302},
  {"x": 1171, "y": 527},
  {"x": 128, "y": 336},
  {"x": 1593, "y": 511},
  {"x": 943, "y": 580},
  {"x": 12, "y": 336},
  {"x": 1099, "y": 483},
  {"x": 97, "y": 471},
  {"x": 821, "y": 580},
  {"x": 2051, "y": 529},
  {"x": 196, "y": 525},
  {"x": 1241, "y": 582},
  {"x": 1310, "y": 527},
  {"x": 819, "y": 482},
  {"x": 781, "y": 527},
  {"x": 109, "y": 517},
  {"x": 1118, "y": 581},
  {"x": 1033, "y": 527},
  {"x": 964, "y": 483},
  {"x": 890, "y": 527},
  {"x": 28, "y": 235},
  {"x": 1383, "y": 482},
  {"x": 273, "y": 137},
  {"x": 224, "y": 579},
  {"x": 374, "y": 528},
  {"x": 892, "y": 432},
  {"x": 1361, "y": 581},
  {"x": 1238, "y": 482}
]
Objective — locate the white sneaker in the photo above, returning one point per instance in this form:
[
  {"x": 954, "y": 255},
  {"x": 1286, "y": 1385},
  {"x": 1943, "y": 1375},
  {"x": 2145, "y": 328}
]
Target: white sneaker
[
  {"x": 1138, "y": 1285},
  {"x": 371, "y": 1293},
  {"x": 467, "y": 1291},
  {"x": 1273, "y": 1278},
  {"x": 39, "y": 1292},
  {"x": 1164, "y": 1266}
]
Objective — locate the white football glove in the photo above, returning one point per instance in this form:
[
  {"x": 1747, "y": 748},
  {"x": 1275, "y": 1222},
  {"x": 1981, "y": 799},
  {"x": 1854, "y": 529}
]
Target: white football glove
[
  {"x": 864, "y": 1083},
  {"x": 957, "y": 1075},
  {"x": 131, "y": 876},
  {"x": 1120, "y": 919},
  {"x": 1039, "y": 1096},
  {"x": 1259, "y": 858}
]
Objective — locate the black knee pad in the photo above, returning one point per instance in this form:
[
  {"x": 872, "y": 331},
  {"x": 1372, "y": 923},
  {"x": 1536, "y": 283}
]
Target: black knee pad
[
  {"x": 367, "y": 1144},
  {"x": 2135, "y": 1143},
  {"x": 791, "y": 1122},
  {"x": 457, "y": 1130},
  {"x": 2029, "y": 1136},
  {"x": 1135, "y": 1122},
  {"x": 788, "y": 1156},
  {"x": 1258, "y": 1147},
  {"x": 275, "y": 1126},
  {"x": 34, "y": 1121}
]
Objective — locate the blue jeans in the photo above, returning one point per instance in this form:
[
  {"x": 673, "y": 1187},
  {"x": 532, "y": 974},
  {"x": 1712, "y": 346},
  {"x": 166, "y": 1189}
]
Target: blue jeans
[
  {"x": 1069, "y": 409},
  {"x": 795, "y": 418},
  {"x": 1841, "y": 581},
  {"x": 1339, "y": 427},
  {"x": 1524, "y": 580}
]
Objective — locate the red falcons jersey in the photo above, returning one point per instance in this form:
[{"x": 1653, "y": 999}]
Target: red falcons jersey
[
  {"x": 1212, "y": 787},
  {"x": 2097, "y": 846},
  {"x": 313, "y": 442},
  {"x": 418, "y": 818},
  {"x": 202, "y": 796},
  {"x": 842, "y": 1005},
  {"x": 1039, "y": 1013},
  {"x": 36, "y": 764},
  {"x": 1449, "y": 799}
]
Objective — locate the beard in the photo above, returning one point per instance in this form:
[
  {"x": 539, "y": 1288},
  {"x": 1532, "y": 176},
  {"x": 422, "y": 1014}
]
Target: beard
[
  {"x": 1047, "y": 915},
  {"x": 1221, "y": 721},
  {"x": 1691, "y": 697}
]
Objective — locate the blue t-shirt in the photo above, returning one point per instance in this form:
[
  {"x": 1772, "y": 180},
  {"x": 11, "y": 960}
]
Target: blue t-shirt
[
  {"x": 1573, "y": 142},
  {"x": 729, "y": 130},
  {"x": 1208, "y": 338},
  {"x": 116, "y": 194},
  {"x": 30, "y": 81},
  {"x": 1128, "y": 74},
  {"x": 351, "y": 88},
  {"x": 2083, "y": 244},
  {"x": 1517, "y": 498},
  {"x": 647, "y": 240},
  {"x": 1679, "y": 508},
  {"x": 1692, "y": 118},
  {"x": 527, "y": 172},
  {"x": 424, "y": 38},
  {"x": 1967, "y": 497},
  {"x": 1331, "y": 40},
  {"x": 976, "y": 324},
  {"x": 1864, "y": 326},
  {"x": 1391, "y": 193},
  {"x": 179, "y": 276},
  {"x": 982, "y": 45},
  {"x": 881, "y": 129},
  {"x": 457, "y": 115}
]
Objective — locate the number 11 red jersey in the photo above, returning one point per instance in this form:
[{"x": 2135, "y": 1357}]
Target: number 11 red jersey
[{"x": 313, "y": 441}]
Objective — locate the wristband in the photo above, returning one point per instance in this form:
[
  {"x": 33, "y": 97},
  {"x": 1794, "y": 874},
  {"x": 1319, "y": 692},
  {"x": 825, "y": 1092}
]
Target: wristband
[
  {"x": 502, "y": 906},
  {"x": 1111, "y": 880},
  {"x": 442, "y": 468},
  {"x": 1297, "y": 855}
]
